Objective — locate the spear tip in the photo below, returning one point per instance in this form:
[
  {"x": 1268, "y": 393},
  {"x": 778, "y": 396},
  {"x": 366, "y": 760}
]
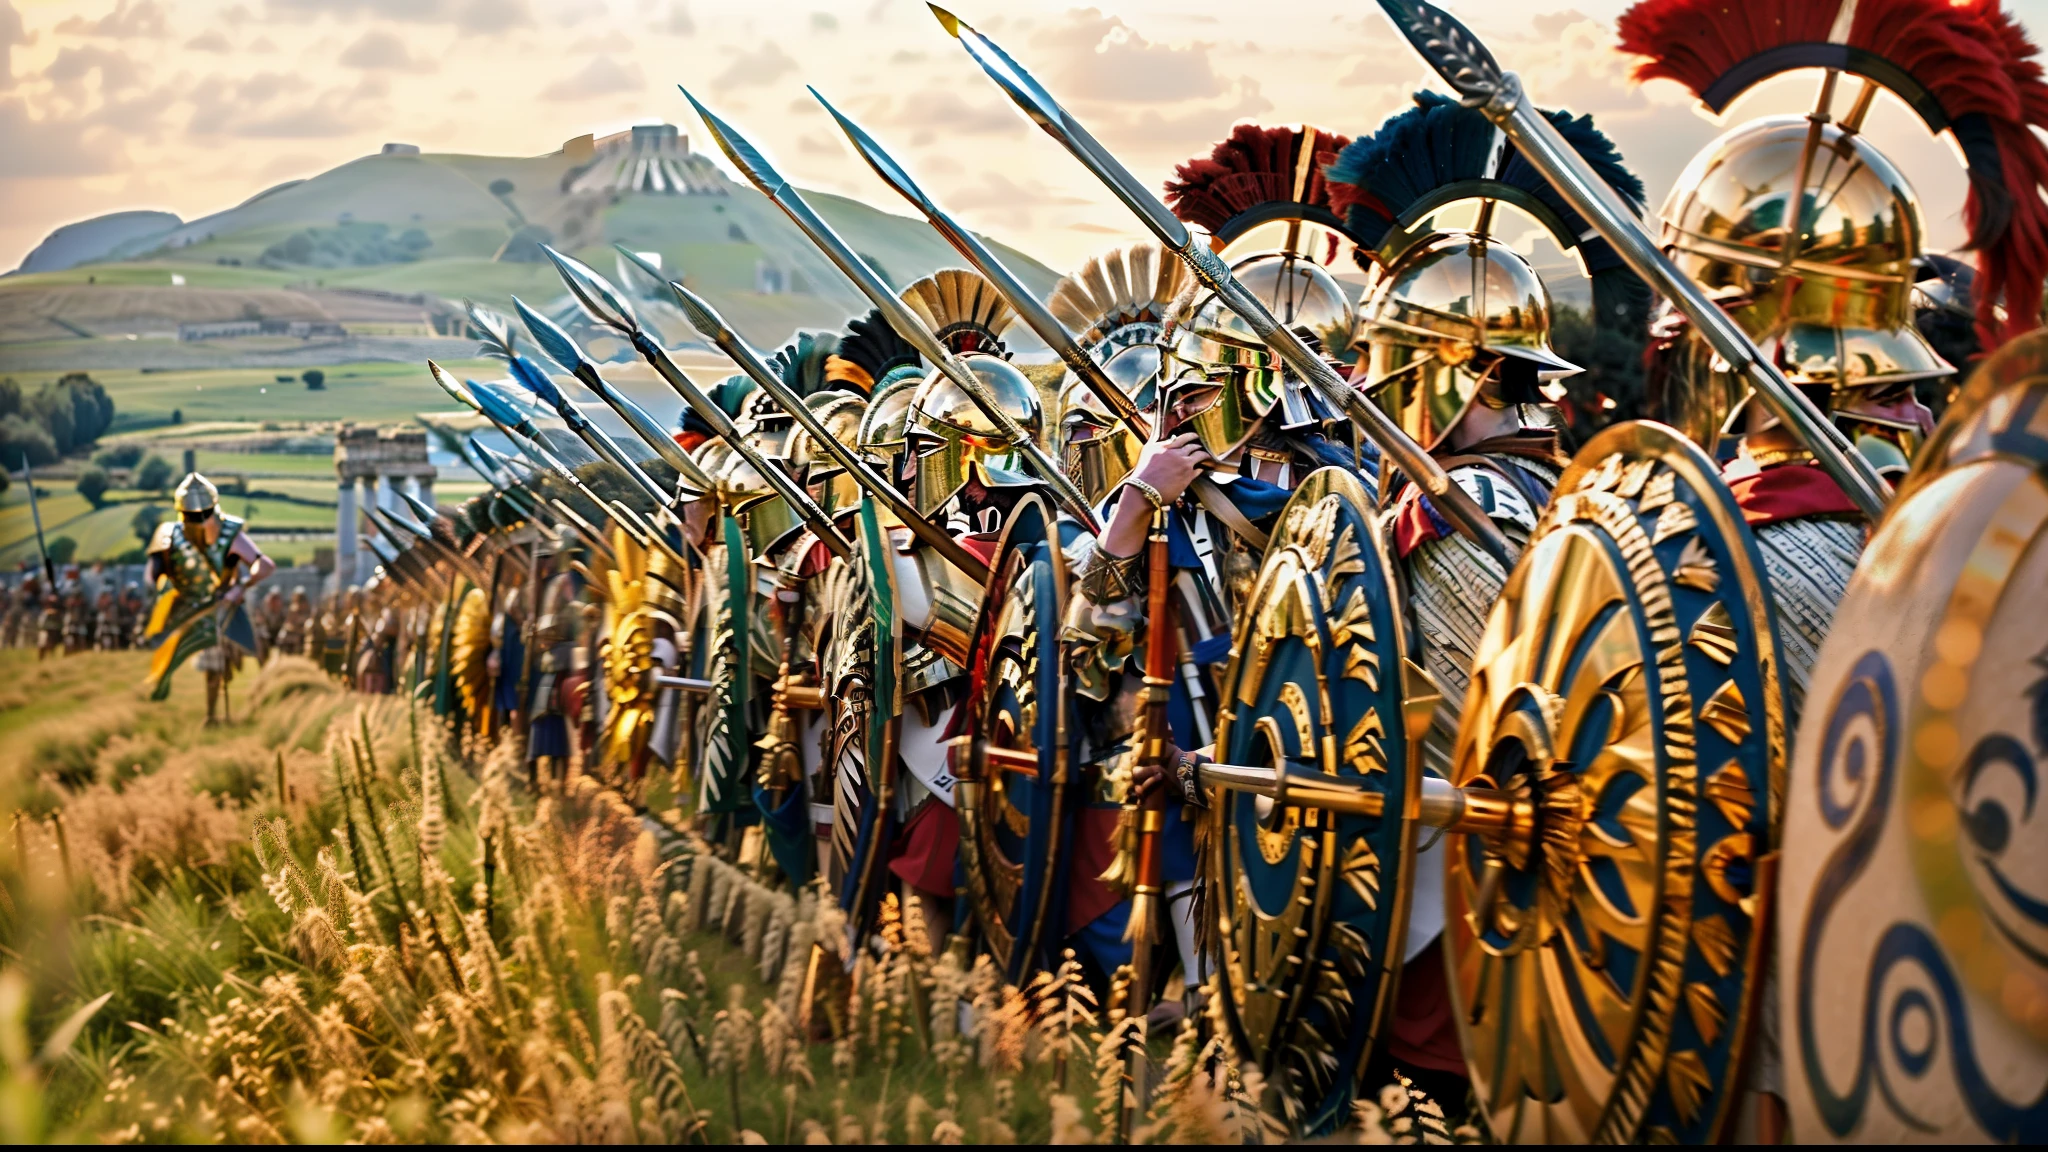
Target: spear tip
[{"x": 951, "y": 23}]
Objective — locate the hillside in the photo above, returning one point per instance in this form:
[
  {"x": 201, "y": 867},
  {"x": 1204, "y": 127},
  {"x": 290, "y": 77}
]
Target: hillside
[{"x": 432, "y": 230}]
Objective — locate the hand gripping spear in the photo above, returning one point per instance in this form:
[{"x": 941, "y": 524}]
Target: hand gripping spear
[
  {"x": 1471, "y": 71},
  {"x": 607, "y": 307},
  {"x": 712, "y": 326},
  {"x": 1034, "y": 314},
  {"x": 907, "y": 324},
  {"x": 1452, "y": 501}
]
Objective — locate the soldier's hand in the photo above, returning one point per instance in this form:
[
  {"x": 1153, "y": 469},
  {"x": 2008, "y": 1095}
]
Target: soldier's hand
[{"x": 1170, "y": 465}]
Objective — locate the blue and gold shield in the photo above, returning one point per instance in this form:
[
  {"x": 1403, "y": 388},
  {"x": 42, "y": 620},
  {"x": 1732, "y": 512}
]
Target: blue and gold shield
[
  {"x": 1309, "y": 905},
  {"x": 1012, "y": 793},
  {"x": 860, "y": 659},
  {"x": 1913, "y": 894},
  {"x": 1603, "y": 949}
]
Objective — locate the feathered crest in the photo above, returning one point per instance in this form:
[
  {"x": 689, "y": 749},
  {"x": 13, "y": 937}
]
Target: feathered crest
[
  {"x": 1119, "y": 289},
  {"x": 802, "y": 362},
  {"x": 1429, "y": 154},
  {"x": 963, "y": 309},
  {"x": 874, "y": 350},
  {"x": 1964, "y": 65},
  {"x": 1258, "y": 175}
]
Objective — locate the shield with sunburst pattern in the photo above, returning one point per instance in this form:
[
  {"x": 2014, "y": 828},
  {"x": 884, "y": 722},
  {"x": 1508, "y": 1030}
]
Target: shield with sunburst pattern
[
  {"x": 1309, "y": 905},
  {"x": 1625, "y": 695}
]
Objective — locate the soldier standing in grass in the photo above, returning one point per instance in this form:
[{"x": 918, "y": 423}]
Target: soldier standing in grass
[{"x": 205, "y": 564}]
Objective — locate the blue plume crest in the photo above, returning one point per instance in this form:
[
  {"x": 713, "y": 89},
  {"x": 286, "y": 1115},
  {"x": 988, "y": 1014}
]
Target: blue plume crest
[{"x": 1440, "y": 143}]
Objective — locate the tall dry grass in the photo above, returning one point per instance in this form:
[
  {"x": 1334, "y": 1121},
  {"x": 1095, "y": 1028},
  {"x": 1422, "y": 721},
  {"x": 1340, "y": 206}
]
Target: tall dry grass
[{"x": 324, "y": 923}]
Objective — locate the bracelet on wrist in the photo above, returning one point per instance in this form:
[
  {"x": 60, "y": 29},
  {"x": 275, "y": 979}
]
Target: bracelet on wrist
[{"x": 1151, "y": 494}]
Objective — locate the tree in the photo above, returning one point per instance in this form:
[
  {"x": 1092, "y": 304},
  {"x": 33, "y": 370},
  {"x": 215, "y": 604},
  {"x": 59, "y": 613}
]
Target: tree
[
  {"x": 20, "y": 437},
  {"x": 62, "y": 549},
  {"x": 120, "y": 456},
  {"x": 145, "y": 522},
  {"x": 177, "y": 415},
  {"x": 316, "y": 380},
  {"x": 10, "y": 397},
  {"x": 154, "y": 475},
  {"x": 93, "y": 485}
]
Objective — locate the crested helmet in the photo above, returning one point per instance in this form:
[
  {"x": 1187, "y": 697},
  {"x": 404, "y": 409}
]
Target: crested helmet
[
  {"x": 1116, "y": 305},
  {"x": 948, "y": 440}
]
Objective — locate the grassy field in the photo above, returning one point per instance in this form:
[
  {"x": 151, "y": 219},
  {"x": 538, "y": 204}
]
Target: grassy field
[{"x": 319, "y": 923}]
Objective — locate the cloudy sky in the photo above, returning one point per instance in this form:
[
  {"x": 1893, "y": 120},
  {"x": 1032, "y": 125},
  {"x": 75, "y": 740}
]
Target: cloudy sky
[{"x": 193, "y": 105}]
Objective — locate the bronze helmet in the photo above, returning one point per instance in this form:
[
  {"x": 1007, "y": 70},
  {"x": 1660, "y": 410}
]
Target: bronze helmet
[
  {"x": 948, "y": 439},
  {"x": 1453, "y": 321},
  {"x": 1116, "y": 306},
  {"x": 831, "y": 485}
]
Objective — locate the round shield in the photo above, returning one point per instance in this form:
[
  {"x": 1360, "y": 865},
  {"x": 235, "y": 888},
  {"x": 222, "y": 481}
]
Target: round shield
[
  {"x": 1625, "y": 708},
  {"x": 1309, "y": 904},
  {"x": 1913, "y": 897},
  {"x": 859, "y": 663},
  {"x": 1012, "y": 793},
  {"x": 726, "y": 775}
]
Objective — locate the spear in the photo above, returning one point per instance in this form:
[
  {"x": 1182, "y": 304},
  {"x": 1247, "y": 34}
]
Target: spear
[
  {"x": 1453, "y": 502},
  {"x": 706, "y": 320},
  {"x": 529, "y": 375},
  {"x": 563, "y": 350},
  {"x": 36, "y": 513},
  {"x": 1473, "y": 73},
  {"x": 526, "y": 437},
  {"x": 908, "y": 324},
  {"x": 1035, "y": 315},
  {"x": 605, "y": 305}
]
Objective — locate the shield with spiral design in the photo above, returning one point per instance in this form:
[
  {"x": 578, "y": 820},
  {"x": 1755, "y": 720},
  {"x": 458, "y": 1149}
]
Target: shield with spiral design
[
  {"x": 1309, "y": 905},
  {"x": 1913, "y": 895},
  {"x": 727, "y": 774},
  {"x": 1012, "y": 789},
  {"x": 860, "y": 660},
  {"x": 1625, "y": 696}
]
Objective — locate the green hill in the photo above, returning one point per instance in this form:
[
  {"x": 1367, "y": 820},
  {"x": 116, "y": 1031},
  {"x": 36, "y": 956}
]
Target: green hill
[{"x": 445, "y": 227}]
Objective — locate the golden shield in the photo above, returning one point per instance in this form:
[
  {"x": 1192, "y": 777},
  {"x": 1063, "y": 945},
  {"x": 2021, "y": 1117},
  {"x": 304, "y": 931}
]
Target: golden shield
[
  {"x": 1913, "y": 947},
  {"x": 1310, "y": 903},
  {"x": 1012, "y": 791},
  {"x": 1603, "y": 957},
  {"x": 860, "y": 657}
]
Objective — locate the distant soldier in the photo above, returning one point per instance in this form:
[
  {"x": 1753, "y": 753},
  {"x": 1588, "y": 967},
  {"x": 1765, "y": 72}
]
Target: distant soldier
[
  {"x": 298, "y": 617},
  {"x": 131, "y": 614},
  {"x": 107, "y": 621},
  {"x": 49, "y": 627},
  {"x": 270, "y": 624},
  {"x": 78, "y": 620},
  {"x": 205, "y": 560}
]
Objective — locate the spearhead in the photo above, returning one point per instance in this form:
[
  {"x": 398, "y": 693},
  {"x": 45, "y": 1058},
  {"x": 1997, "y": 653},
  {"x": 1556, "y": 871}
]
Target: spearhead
[
  {"x": 530, "y": 377},
  {"x": 497, "y": 333},
  {"x": 594, "y": 292},
  {"x": 425, "y": 512},
  {"x": 701, "y": 315},
  {"x": 640, "y": 262},
  {"x": 744, "y": 155},
  {"x": 884, "y": 164},
  {"x": 556, "y": 344},
  {"x": 1450, "y": 48},
  {"x": 498, "y": 410},
  {"x": 1037, "y": 103},
  {"x": 450, "y": 384}
]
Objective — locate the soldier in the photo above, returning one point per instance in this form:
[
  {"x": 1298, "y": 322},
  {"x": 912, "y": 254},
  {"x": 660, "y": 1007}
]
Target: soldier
[
  {"x": 78, "y": 616},
  {"x": 547, "y": 747},
  {"x": 298, "y": 619},
  {"x": 50, "y": 627},
  {"x": 270, "y": 624},
  {"x": 107, "y": 631},
  {"x": 209, "y": 562}
]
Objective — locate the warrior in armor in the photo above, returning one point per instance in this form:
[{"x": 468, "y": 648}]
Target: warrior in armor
[
  {"x": 78, "y": 617},
  {"x": 270, "y": 624},
  {"x": 203, "y": 564},
  {"x": 547, "y": 747},
  {"x": 1230, "y": 410},
  {"x": 107, "y": 632},
  {"x": 298, "y": 618},
  {"x": 50, "y": 628}
]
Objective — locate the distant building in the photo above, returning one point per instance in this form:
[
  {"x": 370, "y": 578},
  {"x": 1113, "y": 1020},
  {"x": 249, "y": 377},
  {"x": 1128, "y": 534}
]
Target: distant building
[
  {"x": 768, "y": 279},
  {"x": 652, "y": 158},
  {"x": 401, "y": 150},
  {"x": 230, "y": 329}
]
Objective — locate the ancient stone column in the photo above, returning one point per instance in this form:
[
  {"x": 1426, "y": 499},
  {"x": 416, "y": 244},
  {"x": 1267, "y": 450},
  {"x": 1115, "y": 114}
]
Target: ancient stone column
[{"x": 345, "y": 546}]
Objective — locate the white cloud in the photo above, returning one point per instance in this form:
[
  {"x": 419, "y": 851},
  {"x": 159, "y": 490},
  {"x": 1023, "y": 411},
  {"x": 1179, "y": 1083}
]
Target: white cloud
[
  {"x": 764, "y": 65},
  {"x": 13, "y": 34},
  {"x": 380, "y": 50},
  {"x": 1096, "y": 57},
  {"x": 145, "y": 19},
  {"x": 210, "y": 40},
  {"x": 38, "y": 148},
  {"x": 603, "y": 76},
  {"x": 824, "y": 22}
]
